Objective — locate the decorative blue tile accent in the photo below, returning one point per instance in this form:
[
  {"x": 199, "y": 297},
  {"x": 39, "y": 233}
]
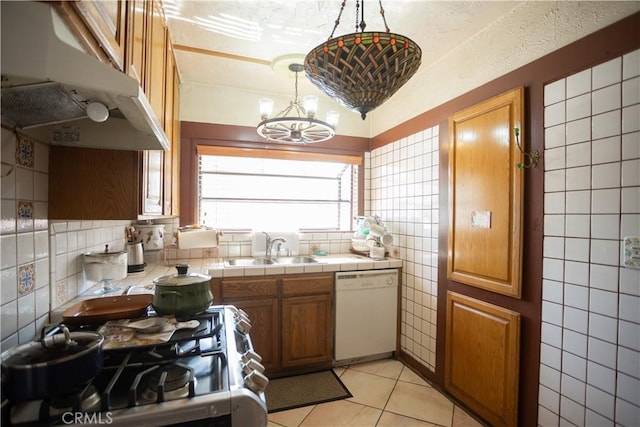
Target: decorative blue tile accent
[
  {"x": 25, "y": 151},
  {"x": 26, "y": 279}
]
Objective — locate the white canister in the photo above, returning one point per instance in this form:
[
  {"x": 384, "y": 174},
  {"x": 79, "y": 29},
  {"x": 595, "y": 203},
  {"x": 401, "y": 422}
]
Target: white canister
[
  {"x": 151, "y": 236},
  {"x": 377, "y": 252}
]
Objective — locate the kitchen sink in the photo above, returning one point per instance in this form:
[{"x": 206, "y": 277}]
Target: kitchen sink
[
  {"x": 294, "y": 260},
  {"x": 283, "y": 260},
  {"x": 248, "y": 262}
]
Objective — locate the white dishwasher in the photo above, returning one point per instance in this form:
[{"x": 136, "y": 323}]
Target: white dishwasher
[{"x": 366, "y": 315}]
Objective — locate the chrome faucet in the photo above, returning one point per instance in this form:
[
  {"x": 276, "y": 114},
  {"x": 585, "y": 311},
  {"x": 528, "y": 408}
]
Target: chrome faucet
[{"x": 269, "y": 242}]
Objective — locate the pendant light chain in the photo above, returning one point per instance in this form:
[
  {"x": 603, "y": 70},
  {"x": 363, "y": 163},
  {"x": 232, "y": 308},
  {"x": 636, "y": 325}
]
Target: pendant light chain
[
  {"x": 344, "y": 2},
  {"x": 363, "y": 24},
  {"x": 384, "y": 19}
]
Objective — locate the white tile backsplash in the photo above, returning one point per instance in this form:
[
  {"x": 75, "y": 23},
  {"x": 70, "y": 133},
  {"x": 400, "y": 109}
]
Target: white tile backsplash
[{"x": 600, "y": 323}]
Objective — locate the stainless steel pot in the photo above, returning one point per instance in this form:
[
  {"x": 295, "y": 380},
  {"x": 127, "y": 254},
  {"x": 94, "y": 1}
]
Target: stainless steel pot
[
  {"x": 183, "y": 294},
  {"x": 54, "y": 365}
]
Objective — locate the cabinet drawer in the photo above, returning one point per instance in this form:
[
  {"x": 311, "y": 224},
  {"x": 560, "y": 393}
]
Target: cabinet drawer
[
  {"x": 307, "y": 284},
  {"x": 249, "y": 288}
]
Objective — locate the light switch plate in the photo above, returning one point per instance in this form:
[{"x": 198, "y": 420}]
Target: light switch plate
[{"x": 632, "y": 252}]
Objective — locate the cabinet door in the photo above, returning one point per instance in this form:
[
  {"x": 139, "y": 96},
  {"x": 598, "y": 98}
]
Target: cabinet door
[
  {"x": 106, "y": 21},
  {"x": 265, "y": 328},
  {"x": 152, "y": 177},
  {"x": 90, "y": 183},
  {"x": 307, "y": 330},
  {"x": 137, "y": 24},
  {"x": 156, "y": 62},
  {"x": 482, "y": 357}
]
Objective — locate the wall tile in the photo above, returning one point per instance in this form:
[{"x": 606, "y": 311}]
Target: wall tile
[
  {"x": 606, "y": 124},
  {"x": 603, "y": 277},
  {"x": 554, "y": 114},
  {"x": 554, "y": 92},
  {"x": 551, "y": 334},
  {"x": 629, "y": 307},
  {"x": 631, "y": 118},
  {"x": 578, "y": 178},
  {"x": 605, "y": 252},
  {"x": 578, "y": 131},
  {"x": 606, "y": 99},
  {"x": 600, "y": 402},
  {"x": 573, "y": 389},
  {"x": 631, "y": 146},
  {"x": 629, "y": 362},
  {"x": 603, "y": 302},
  {"x": 578, "y": 202},
  {"x": 602, "y": 327},
  {"x": 631, "y": 92},
  {"x": 605, "y": 226},
  {"x": 554, "y": 136},
  {"x": 630, "y": 225},
  {"x": 576, "y": 296},
  {"x": 630, "y": 200},
  {"x": 577, "y": 226},
  {"x": 8, "y": 285},
  {"x": 628, "y": 335},
  {"x": 602, "y": 352},
  {"x": 631, "y": 65},
  {"x": 574, "y": 365},
  {"x": 571, "y": 411},
  {"x": 605, "y": 201},
  {"x": 574, "y": 343},
  {"x": 552, "y": 291},
  {"x": 554, "y": 158},
  {"x": 607, "y": 73},
  {"x": 626, "y": 413},
  {"x": 605, "y": 175},
  {"x": 630, "y": 175},
  {"x": 8, "y": 251},
  {"x": 579, "y": 83},
  {"x": 579, "y": 107},
  {"x": 606, "y": 150},
  {"x": 575, "y": 320},
  {"x": 576, "y": 250}
]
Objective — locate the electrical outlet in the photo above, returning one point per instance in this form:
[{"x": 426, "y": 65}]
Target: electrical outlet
[{"x": 632, "y": 252}]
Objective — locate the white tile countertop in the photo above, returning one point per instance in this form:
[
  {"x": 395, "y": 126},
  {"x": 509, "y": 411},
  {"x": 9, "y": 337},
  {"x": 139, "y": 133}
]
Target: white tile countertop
[{"x": 142, "y": 282}]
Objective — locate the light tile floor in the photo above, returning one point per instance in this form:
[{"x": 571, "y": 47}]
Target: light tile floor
[{"x": 385, "y": 394}]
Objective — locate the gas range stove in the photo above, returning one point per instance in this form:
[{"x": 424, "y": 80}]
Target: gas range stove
[{"x": 208, "y": 376}]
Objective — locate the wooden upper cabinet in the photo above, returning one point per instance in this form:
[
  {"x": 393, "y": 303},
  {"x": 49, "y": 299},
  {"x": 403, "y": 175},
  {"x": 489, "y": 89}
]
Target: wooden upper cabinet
[
  {"x": 135, "y": 54},
  {"x": 107, "y": 22},
  {"x": 156, "y": 62},
  {"x": 486, "y": 193}
]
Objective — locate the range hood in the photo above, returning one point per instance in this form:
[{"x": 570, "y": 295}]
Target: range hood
[{"x": 48, "y": 81}]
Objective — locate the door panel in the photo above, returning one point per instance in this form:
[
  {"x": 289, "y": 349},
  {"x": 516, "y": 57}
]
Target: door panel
[
  {"x": 485, "y": 195},
  {"x": 482, "y": 357}
]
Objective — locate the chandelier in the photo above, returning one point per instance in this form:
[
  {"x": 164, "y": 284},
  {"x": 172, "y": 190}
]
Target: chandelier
[
  {"x": 361, "y": 70},
  {"x": 296, "y": 123}
]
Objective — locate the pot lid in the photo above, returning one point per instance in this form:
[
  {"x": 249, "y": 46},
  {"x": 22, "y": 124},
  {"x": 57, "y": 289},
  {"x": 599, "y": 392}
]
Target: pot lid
[
  {"x": 104, "y": 253},
  {"x": 58, "y": 348},
  {"x": 182, "y": 278}
]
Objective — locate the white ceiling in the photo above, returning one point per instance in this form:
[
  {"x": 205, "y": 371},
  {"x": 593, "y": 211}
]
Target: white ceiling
[{"x": 218, "y": 65}]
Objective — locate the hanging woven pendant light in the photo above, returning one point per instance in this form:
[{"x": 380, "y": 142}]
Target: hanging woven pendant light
[{"x": 361, "y": 70}]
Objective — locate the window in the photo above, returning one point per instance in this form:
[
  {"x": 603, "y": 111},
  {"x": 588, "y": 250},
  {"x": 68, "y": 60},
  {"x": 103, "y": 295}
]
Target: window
[{"x": 262, "y": 193}]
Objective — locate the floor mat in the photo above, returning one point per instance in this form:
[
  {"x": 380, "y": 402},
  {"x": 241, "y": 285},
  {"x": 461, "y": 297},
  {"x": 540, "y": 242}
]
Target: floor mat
[{"x": 304, "y": 390}]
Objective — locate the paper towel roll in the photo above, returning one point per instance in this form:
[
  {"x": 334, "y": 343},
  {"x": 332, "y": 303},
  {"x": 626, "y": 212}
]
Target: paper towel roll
[{"x": 194, "y": 239}]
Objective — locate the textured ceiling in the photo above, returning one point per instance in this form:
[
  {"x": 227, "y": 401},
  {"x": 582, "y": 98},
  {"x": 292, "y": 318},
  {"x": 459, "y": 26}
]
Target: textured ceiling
[{"x": 224, "y": 49}]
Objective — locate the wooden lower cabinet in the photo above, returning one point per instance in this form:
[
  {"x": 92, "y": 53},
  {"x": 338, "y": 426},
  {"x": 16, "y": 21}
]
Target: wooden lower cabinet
[
  {"x": 307, "y": 320},
  {"x": 482, "y": 358},
  {"x": 291, "y": 317}
]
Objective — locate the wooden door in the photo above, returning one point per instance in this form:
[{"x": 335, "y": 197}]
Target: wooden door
[
  {"x": 486, "y": 189},
  {"x": 482, "y": 358}
]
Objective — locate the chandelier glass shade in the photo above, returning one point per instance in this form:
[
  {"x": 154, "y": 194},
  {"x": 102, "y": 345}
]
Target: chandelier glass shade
[
  {"x": 297, "y": 123},
  {"x": 362, "y": 70}
]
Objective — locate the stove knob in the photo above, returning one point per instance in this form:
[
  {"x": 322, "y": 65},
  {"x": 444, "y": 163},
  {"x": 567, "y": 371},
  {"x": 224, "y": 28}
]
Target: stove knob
[
  {"x": 252, "y": 365},
  {"x": 251, "y": 355},
  {"x": 256, "y": 381},
  {"x": 243, "y": 326}
]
